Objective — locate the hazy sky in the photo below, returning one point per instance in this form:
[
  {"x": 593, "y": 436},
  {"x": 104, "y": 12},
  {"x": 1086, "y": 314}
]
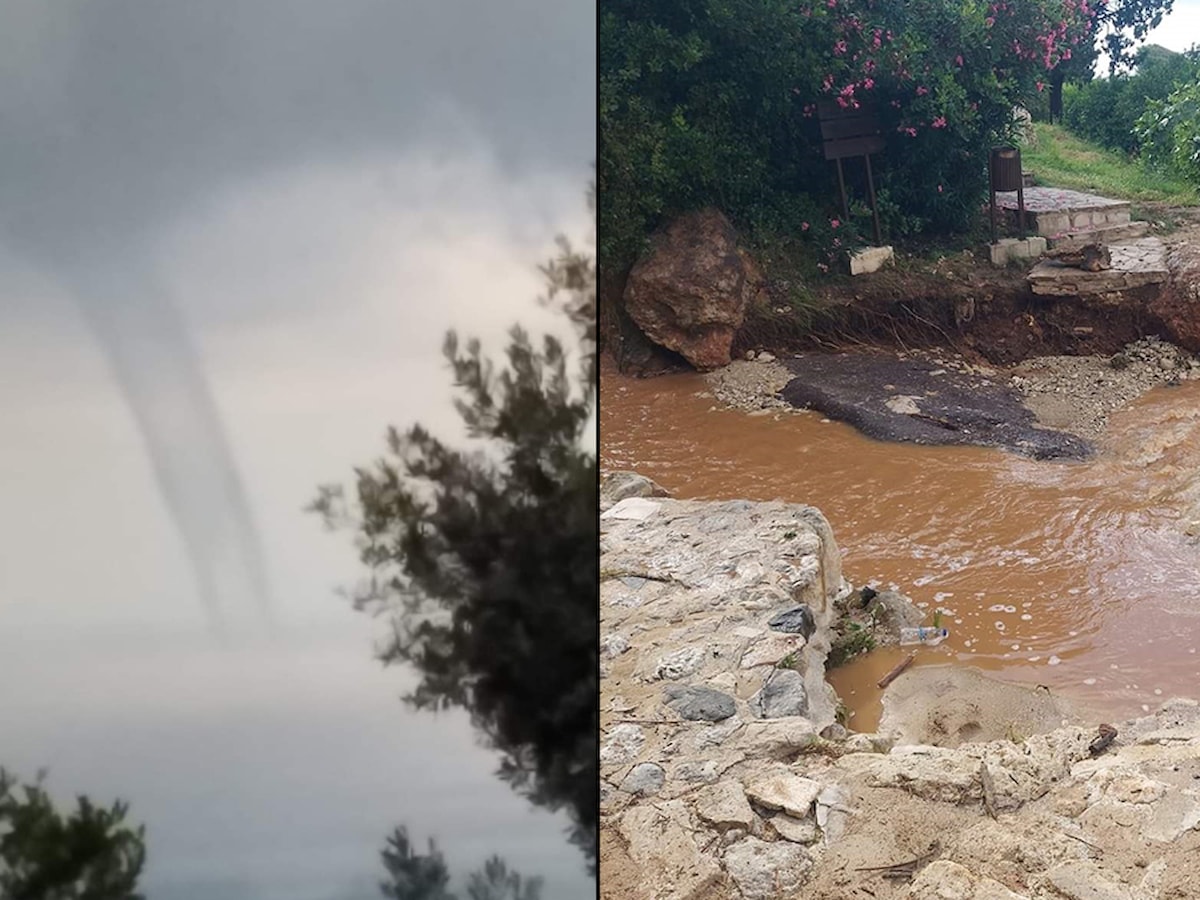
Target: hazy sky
[
  {"x": 1181, "y": 29},
  {"x": 231, "y": 236}
]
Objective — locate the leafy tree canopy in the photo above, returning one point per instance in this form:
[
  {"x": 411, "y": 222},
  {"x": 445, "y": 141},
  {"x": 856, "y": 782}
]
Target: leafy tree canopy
[
  {"x": 87, "y": 854},
  {"x": 484, "y": 556}
]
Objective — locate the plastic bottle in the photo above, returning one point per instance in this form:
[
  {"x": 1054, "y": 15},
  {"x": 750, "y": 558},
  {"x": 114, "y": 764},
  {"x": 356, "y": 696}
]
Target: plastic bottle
[{"x": 923, "y": 635}]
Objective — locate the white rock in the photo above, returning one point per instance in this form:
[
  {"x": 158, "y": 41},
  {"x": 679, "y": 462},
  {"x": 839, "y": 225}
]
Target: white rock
[
  {"x": 764, "y": 871},
  {"x": 679, "y": 663},
  {"x": 791, "y": 793},
  {"x": 771, "y": 649},
  {"x": 624, "y": 742},
  {"x": 798, "y": 831},
  {"x": 944, "y": 879},
  {"x": 1084, "y": 880},
  {"x": 724, "y": 805},
  {"x": 633, "y": 508}
]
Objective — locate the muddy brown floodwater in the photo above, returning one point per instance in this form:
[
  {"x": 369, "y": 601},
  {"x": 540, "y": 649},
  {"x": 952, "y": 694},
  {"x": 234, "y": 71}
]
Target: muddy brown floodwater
[{"x": 1077, "y": 576}]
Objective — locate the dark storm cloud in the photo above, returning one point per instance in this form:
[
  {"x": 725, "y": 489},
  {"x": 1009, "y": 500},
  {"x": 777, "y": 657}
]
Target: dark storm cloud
[{"x": 117, "y": 114}]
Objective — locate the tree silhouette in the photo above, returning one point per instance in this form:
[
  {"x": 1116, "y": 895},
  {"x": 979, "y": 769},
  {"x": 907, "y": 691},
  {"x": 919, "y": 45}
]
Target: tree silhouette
[
  {"x": 485, "y": 558},
  {"x": 90, "y": 854},
  {"x": 424, "y": 876}
]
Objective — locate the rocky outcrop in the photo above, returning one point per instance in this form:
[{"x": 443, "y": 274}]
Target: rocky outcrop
[
  {"x": 711, "y": 612},
  {"x": 690, "y": 293}
]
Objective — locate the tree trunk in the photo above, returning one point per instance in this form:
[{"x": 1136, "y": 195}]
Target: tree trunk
[{"x": 1056, "y": 92}]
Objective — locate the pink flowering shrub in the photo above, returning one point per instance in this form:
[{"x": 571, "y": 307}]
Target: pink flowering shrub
[{"x": 715, "y": 101}]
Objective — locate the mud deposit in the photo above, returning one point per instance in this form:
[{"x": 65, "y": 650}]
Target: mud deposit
[{"x": 1077, "y": 575}]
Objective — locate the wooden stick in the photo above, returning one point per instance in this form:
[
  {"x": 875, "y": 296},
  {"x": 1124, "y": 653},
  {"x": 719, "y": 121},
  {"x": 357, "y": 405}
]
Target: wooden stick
[{"x": 895, "y": 673}]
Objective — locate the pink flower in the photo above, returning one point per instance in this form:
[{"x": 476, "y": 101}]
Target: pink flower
[
  {"x": 922, "y": 91},
  {"x": 804, "y": 226},
  {"x": 939, "y": 188},
  {"x": 989, "y": 21},
  {"x": 1040, "y": 86},
  {"x": 868, "y": 83},
  {"x": 839, "y": 48},
  {"x": 958, "y": 60},
  {"x": 939, "y": 122},
  {"x": 834, "y": 223},
  {"x": 912, "y": 132}
]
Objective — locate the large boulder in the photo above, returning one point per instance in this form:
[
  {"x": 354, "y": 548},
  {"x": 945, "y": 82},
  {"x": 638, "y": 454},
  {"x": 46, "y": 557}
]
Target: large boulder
[{"x": 690, "y": 293}]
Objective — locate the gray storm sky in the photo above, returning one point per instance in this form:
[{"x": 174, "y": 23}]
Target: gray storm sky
[{"x": 272, "y": 209}]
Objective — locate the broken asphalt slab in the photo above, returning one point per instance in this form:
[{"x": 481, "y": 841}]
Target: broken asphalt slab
[{"x": 895, "y": 398}]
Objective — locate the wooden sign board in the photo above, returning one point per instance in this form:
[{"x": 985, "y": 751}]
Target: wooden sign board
[
  {"x": 848, "y": 131},
  {"x": 845, "y": 132}
]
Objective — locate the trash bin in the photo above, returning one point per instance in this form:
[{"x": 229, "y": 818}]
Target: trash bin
[{"x": 1006, "y": 169}]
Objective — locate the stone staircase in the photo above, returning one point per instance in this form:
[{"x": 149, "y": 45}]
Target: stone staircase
[{"x": 1070, "y": 219}]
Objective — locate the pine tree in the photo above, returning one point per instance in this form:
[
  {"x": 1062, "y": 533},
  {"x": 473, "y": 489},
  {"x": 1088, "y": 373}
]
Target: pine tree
[
  {"x": 90, "y": 854},
  {"x": 485, "y": 559}
]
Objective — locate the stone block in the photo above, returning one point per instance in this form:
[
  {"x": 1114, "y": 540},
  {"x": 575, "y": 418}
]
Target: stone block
[
  {"x": 1008, "y": 249},
  {"x": 871, "y": 259}
]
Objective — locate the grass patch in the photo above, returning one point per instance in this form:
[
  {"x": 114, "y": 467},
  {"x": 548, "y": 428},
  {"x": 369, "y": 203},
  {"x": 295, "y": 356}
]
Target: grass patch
[
  {"x": 854, "y": 640},
  {"x": 1061, "y": 159}
]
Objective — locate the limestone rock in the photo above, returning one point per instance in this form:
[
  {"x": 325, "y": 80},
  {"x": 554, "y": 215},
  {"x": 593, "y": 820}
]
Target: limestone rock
[
  {"x": 767, "y": 871},
  {"x": 621, "y": 485},
  {"x": 679, "y": 663},
  {"x": 1084, "y": 880},
  {"x": 699, "y": 703},
  {"x": 690, "y": 293},
  {"x": 661, "y": 843},
  {"x": 624, "y": 742},
  {"x": 791, "y": 793},
  {"x": 772, "y": 649},
  {"x": 798, "y": 831},
  {"x": 724, "y": 805},
  {"x": 644, "y": 778},
  {"x": 943, "y": 879}
]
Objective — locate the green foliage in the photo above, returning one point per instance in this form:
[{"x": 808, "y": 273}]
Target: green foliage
[
  {"x": 1170, "y": 132},
  {"x": 425, "y": 876},
  {"x": 412, "y": 875},
  {"x": 713, "y": 102},
  {"x": 485, "y": 555},
  {"x": 1106, "y": 110},
  {"x": 853, "y": 640},
  {"x": 88, "y": 854}
]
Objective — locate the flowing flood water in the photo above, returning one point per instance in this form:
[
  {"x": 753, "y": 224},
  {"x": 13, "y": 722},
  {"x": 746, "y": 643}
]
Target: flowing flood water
[{"x": 1077, "y": 576}]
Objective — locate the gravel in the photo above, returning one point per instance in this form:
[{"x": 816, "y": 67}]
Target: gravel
[
  {"x": 1075, "y": 394},
  {"x": 751, "y": 385}
]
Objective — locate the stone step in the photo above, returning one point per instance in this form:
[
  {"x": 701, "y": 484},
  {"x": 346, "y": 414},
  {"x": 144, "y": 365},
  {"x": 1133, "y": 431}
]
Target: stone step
[
  {"x": 1103, "y": 234},
  {"x": 1134, "y": 264},
  {"x": 1050, "y": 211}
]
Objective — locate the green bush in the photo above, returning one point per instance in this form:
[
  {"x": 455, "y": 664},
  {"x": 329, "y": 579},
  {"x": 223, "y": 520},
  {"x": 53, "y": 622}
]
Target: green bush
[
  {"x": 1170, "y": 132},
  {"x": 1106, "y": 111},
  {"x": 713, "y": 102}
]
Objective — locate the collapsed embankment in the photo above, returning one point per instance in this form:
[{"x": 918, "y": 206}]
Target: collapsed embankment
[{"x": 725, "y": 774}]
